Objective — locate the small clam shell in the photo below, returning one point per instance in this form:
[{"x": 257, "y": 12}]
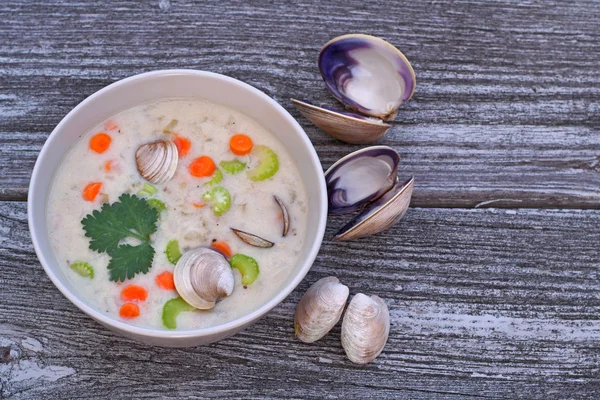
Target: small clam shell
[
  {"x": 345, "y": 126},
  {"x": 252, "y": 240},
  {"x": 365, "y": 328},
  {"x": 367, "y": 74},
  {"x": 360, "y": 178},
  {"x": 202, "y": 276},
  {"x": 285, "y": 215},
  {"x": 157, "y": 161},
  {"x": 320, "y": 309},
  {"x": 379, "y": 215}
]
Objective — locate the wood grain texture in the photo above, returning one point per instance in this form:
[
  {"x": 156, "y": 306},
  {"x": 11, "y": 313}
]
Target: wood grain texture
[
  {"x": 506, "y": 110},
  {"x": 494, "y": 303},
  {"x": 484, "y": 303}
]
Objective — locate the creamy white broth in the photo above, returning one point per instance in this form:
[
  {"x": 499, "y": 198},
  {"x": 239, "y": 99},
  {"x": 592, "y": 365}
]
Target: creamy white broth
[{"x": 209, "y": 127}]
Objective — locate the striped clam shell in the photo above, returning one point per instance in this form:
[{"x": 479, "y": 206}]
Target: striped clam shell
[{"x": 157, "y": 161}]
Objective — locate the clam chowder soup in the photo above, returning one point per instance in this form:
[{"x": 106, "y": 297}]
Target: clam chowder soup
[{"x": 179, "y": 214}]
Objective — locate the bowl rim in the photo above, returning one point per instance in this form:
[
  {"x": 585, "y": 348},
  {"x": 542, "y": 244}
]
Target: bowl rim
[{"x": 239, "y": 323}]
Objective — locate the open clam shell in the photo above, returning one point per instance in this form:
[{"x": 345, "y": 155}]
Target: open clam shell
[
  {"x": 360, "y": 178},
  {"x": 285, "y": 215},
  {"x": 367, "y": 74},
  {"x": 252, "y": 239},
  {"x": 202, "y": 276},
  {"x": 345, "y": 126},
  {"x": 379, "y": 215}
]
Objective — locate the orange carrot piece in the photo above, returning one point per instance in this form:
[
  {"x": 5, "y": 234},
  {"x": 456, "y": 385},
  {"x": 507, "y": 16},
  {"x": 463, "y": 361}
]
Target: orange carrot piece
[
  {"x": 165, "y": 280},
  {"x": 222, "y": 247},
  {"x": 129, "y": 310},
  {"x": 202, "y": 167},
  {"x": 100, "y": 142},
  {"x": 110, "y": 126},
  {"x": 91, "y": 191},
  {"x": 108, "y": 166},
  {"x": 240, "y": 144},
  {"x": 199, "y": 205},
  {"x": 134, "y": 293},
  {"x": 183, "y": 144}
]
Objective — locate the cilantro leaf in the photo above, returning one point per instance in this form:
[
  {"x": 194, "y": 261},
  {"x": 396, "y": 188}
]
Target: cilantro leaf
[
  {"x": 127, "y": 260},
  {"x": 138, "y": 214},
  {"x": 105, "y": 228},
  {"x": 131, "y": 217}
]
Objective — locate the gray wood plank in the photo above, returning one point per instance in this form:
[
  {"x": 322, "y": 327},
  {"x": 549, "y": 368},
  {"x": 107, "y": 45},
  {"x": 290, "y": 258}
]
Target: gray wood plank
[
  {"x": 484, "y": 303},
  {"x": 507, "y": 105}
]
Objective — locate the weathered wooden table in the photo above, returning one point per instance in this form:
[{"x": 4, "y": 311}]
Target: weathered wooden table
[{"x": 492, "y": 277}]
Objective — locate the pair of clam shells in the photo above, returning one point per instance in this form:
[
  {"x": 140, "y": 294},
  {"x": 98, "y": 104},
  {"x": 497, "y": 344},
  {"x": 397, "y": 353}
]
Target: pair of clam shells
[
  {"x": 368, "y": 76},
  {"x": 366, "y": 323},
  {"x": 367, "y": 181},
  {"x": 257, "y": 241}
]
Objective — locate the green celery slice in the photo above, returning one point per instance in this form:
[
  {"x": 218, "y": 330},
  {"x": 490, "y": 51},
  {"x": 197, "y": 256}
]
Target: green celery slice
[
  {"x": 82, "y": 269},
  {"x": 157, "y": 204},
  {"x": 172, "y": 309},
  {"x": 217, "y": 178},
  {"x": 247, "y": 266},
  {"x": 233, "y": 166},
  {"x": 147, "y": 190},
  {"x": 220, "y": 199},
  {"x": 268, "y": 164},
  {"x": 172, "y": 251}
]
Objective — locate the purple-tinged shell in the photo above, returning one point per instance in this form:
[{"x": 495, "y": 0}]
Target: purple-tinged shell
[
  {"x": 379, "y": 215},
  {"x": 360, "y": 178},
  {"x": 367, "y": 74},
  {"x": 285, "y": 216},
  {"x": 252, "y": 239}
]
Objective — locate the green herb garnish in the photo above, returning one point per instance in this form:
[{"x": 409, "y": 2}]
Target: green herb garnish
[
  {"x": 233, "y": 166},
  {"x": 130, "y": 217}
]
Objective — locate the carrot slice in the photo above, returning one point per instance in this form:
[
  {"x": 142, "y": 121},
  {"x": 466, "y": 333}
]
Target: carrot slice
[
  {"x": 183, "y": 144},
  {"x": 165, "y": 280},
  {"x": 100, "y": 142},
  {"x": 202, "y": 167},
  {"x": 134, "y": 293},
  {"x": 129, "y": 310},
  {"x": 240, "y": 144},
  {"x": 110, "y": 126},
  {"x": 91, "y": 191},
  {"x": 108, "y": 166},
  {"x": 222, "y": 247},
  {"x": 199, "y": 205}
]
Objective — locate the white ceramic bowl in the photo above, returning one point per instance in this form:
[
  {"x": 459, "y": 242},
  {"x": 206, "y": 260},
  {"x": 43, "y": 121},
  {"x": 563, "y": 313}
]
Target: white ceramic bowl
[{"x": 153, "y": 86}]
